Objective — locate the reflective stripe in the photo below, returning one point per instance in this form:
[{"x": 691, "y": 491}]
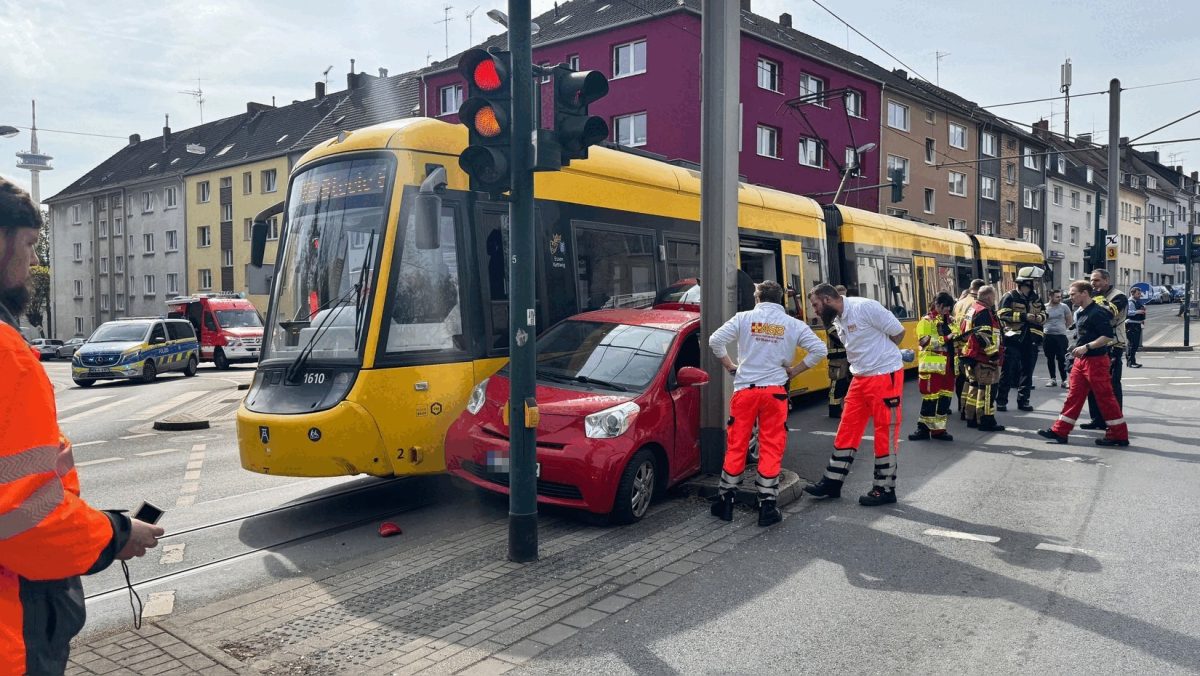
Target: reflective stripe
[
  {"x": 1069, "y": 421},
  {"x": 1118, "y": 421},
  {"x": 33, "y": 511},
  {"x": 33, "y": 461}
]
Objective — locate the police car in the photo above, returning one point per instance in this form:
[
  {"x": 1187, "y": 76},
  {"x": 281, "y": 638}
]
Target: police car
[{"x": 139, "y": 348}]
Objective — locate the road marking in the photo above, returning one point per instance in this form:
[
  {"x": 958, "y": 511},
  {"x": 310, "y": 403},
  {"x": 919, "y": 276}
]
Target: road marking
[
  {"x": 959, "y": 535},
  {"x": 160, "y": 604},
  {"x": 195, "y": 465},
  {"x": 84, "y": 402},
  {"x": 138, "y": 436},
  {"x": 193, "y": 475},
  {"x": 170, "y": 404},
  {"x": 172, "y": 554},
  {"x": 199, "y": 447},
  {"x": 185, "y": 500},
  {"x": 1020, "y": 452},
  {"x": 93, "y": 411},
  {"x": 1073, "y": 458},
  {"x": 160, "y": 452},
  {"x": 189, "y": 487},
  {"x": 101, "y": 461},
  {"x": 89, "y": 443},
  {"x": 834, "y": 434},
  {"x": 1045, "y": 546}
]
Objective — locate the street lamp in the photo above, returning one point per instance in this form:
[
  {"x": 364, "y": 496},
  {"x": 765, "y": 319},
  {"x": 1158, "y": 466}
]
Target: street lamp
[
  {"x": 502, "y": 19},
  {"x": 849, "y": 169},
  {"x": 8, "y": 132}
]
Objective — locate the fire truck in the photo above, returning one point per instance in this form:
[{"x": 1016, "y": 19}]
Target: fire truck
[{"x": 228, "y": 326}]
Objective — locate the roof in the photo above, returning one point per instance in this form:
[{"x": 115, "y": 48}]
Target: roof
[
  {"x": 374, "y": 101},
  {"x": 670, "y": 320},
  {"x": 149, "y": 160},
  {"x": 269, "y": 132}
]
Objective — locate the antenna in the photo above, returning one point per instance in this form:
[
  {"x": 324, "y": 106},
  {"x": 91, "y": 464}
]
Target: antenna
[
  {"x": 428, "y": 58},
  {"x": 470, "y": 27},
  {"x": 198, "y": 94},
  {"x": 326, "y": 75},
  {"x": 938, "y": 56},
  {"x": 1065, "y": 87},
  {"x": 446, "y": 20}
]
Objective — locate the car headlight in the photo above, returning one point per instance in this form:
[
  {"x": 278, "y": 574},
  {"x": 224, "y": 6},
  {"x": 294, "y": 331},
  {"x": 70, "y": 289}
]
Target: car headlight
[
  {"x": 611, "y": 422},
  {"x": 478, "y": 396},
  {"x": 234, "y": 343}
]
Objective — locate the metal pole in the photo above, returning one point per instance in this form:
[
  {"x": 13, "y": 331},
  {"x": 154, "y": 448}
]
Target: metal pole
[
  {"x": 1187, "y": 275},
  {"x": 522, "y": 499},
  {"x": 1114, "y": 166},
  {"x": 720, "y": 33}
]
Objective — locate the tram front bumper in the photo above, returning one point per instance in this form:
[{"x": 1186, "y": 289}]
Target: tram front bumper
[{"x": 340, "y": 441}]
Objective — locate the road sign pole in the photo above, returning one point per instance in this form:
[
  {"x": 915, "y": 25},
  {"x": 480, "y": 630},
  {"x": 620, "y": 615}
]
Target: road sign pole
[
  {"x": 1114, "y": 168},
  {"x": 1187, "y": 274}
]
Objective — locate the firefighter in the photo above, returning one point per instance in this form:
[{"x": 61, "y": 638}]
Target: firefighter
[
  {"x": 1090, "y": 375},
  {"x": 936, "y": 368},
  {"x": 1022, "y": 315},
  {"x": 1110, "y": 298},
  {"x": 982, "y": 357},
  {"x": 48, "y": 534},
  {"x": 962, "y": 310},
  {"x": 839, "y": 368},
  {"x": 767, "y": 338},
  {"x": 872, "y": 336}
]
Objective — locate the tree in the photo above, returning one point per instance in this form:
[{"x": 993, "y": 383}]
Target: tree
[
  {"x": 43, "y": 243},
  {"x": 39, "y": 302}
]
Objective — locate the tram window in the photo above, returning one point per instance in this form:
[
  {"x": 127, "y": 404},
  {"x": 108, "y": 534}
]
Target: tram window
[
  {"x": 683, "y": 260},
  {"x": 871, "y": 278},
  {"x": 760, "y": 264},
  {"x": 794, "y": 292},
  {"x": 614, "y": 269},
  {"x": 812, "y": 268},
  {"x": 945, "y": 280},
  {"x": 426, "y": 314},
  {"x": 900, "y": 289},
  {"x": 965, "y": 276}
]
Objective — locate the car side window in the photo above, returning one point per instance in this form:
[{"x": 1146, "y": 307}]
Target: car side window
[
  {"x": 209, "y": 322},
  {"x": 180, "y": 330},
  {"x": 158, "y": 332},
  {"x": 688, "y": 355}
]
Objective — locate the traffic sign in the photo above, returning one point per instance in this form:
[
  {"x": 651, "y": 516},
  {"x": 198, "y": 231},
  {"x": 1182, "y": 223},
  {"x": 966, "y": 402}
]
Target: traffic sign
[{"x": 1110, "y": 247}]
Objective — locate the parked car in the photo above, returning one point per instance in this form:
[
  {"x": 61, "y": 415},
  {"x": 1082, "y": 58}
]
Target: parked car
[
  {"x": 1159, "y": 294},
  {"x": 619, "y": 413},
  {"x": 68, "y": 348},
  {"x": 136, "y": 348},
  {"x": 47, "y": 348}
]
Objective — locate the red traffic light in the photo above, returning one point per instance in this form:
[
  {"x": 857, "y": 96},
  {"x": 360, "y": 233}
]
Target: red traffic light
[{"x": 489, "y": 73}]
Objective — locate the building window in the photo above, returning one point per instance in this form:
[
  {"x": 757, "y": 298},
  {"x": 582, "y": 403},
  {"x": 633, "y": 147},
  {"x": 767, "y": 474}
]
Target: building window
[
  {"x": 268, "y": 181},
  {"x": 247, "y": 229},
  {"x": 814, "y": 87},
  {"x": 227, "y": 258},
  {"x": 203, "y": 192},
  {"x": 897, "y": 116},
  {"x": 148, "y": 282},
  {"x": 226, "y": 212},
  {"x": 226, "y": 181},
  {"x": 630, "y": 130},
  {"x": 172, "y": 282},
  {"x": 811, "y": 154},
  {"x": 958, "y": 224},
  {"x": 1056, "y": 232},
  {"x": 852, "y": 162},
  {"x": 204, "y": 277},
  {"x": 451, "y": 99},
  {"x": 929, "y": 200},
  {"x": 930, "y": 151},
  {"x": 129, "y": 247},
  {"x": 118, "y": 227},
  {"x": 1058, "y": 195},
  {"x": 898, "y": 213},
  {"x": 768, "y": 75},
  {"x": 1033, "y": 199},
  {"x": 958, "y": 136},
  {"x": 629, "y": 59},
  {"x": 79, "y": 288},
  {"x": 132, "y": 285},
  {"x": 1010, "y": 211},
  {"x": 573, "y": 62},
  {"x": 854, "y": 103},
  {"x": 147, "y": 202},
  {"x": 119, "y": 264},
  {"x": 148, "y": 243},
  {"x": 768, "y": 141},
  {"x": 75, "y": 217},
  {"x": 1137, "y": 246},
  {"x": 987, "y": 143},
  {"x": 1010, "y": 173},
  {"x": 273, "y": 228},
  {"x": 1137, "y": 213},
  {"x": 172, "y": 240},
  {"x": 103, "y": 229},
  {"x": 104, "y": 302},
  {"x": 172, "y": 198},
  {"x": 78, "y": 251},
  {"x": 894, "y": 162},
  {"x": 104, "y": 265},
  {"x": 1075, "y": 199},
  {"x": 247, "y": 182},
  {"x": 204, "y": 236},
  {"x": 987, "y": 187},
  {"x": 1031, "y": 159},
  {"x": 958, "y": 184},
  {"x": 1062, "y": 165},
  {"x": 1074, "y": 270}
]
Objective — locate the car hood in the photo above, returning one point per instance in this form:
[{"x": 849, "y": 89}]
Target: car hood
[
  {"x": 245, "y": 332},
  {"x": 560, "y": 406},
  {"x": 90, "y": 348}
]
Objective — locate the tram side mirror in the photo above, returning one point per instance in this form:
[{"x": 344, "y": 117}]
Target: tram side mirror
[
  {"x": 259, "y": 230},
  {"x": 429, "y": 209}
]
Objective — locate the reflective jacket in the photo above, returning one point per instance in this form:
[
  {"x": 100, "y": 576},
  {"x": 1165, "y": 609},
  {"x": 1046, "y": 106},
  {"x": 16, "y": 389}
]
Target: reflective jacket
[
  {"x": 1118, "y": 305},
  {"x": 982, "y": 331},
  {"x": 48, "y": 534},
  {"x": 937, "y": 353},
  {"x": 837, "y": 351},
  {"x": 1022, "y": 316},
  {"x": 962, "y": 310}
]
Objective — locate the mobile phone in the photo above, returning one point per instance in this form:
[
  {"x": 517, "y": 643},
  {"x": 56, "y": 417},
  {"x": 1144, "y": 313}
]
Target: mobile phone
[{"x": 148, "y": 513}]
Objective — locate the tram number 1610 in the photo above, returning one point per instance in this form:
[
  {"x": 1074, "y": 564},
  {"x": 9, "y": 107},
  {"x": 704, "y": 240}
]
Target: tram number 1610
[{"x": 317, "y": 378}]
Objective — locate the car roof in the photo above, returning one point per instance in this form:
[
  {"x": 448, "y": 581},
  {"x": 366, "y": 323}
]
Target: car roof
[{"x": 671, "y": 320}]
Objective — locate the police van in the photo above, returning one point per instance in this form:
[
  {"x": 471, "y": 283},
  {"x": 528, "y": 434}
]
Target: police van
[{"x": 136, "y": 348}]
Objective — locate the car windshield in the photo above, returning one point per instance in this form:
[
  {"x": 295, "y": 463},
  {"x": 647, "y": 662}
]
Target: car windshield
[
  {"x": 119, "y": 333},
  {"x": 238, "y": 319},
  {"x": 612, "y": 356}
]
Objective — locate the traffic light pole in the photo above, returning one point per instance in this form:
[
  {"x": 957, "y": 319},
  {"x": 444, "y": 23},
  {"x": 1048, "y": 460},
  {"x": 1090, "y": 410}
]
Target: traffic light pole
[
  {"x": 1187, "y": 273},
  {"x": 522, "y": 500},
  {"x": 1114, "y": 170}
]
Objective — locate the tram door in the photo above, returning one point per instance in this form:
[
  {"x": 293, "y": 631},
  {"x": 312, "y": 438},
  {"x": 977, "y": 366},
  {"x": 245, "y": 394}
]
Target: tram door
[
  {"x": 926, "y": 269},
  {"x": 795, "y": 287}
]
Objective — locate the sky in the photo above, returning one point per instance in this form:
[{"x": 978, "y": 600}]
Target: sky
[{"x": 115, "y": 68}]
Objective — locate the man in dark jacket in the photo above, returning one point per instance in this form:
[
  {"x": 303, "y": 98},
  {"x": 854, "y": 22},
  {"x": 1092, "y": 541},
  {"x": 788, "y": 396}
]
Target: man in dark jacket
[{"x": 1021, "y": 315}]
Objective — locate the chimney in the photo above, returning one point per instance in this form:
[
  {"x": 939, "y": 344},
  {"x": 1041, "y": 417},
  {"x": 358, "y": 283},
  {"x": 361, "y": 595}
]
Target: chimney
[
  {"x": 1196, "y": 175},
  {"x": 320, "y": 90},
  {"x": 785, "y": 20},
  {"x": 746, "y": 5},
  {"x": 1124, "y": 140},
  {"x": 253, "y": 107},
  {"x": 166, "y": 133},
  {"x": 1178, "y": 169},
  {"x": 135, "y": 139},
  {"x": 382, "y": 72},
  {"x": 1041, "y": 129},
  {"x": 902, "y": 74},
  {"x": 1153, "y": 155},
  {"x": 1083, "y": 138}
]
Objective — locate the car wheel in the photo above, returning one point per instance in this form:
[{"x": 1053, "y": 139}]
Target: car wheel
[
  {"x": 191, "y": 367},
  {"x": 220, "y": 359},
  {"x": 636, "y": 488},
  {"x": 149, "y": 373},
  {"x": 84, "y": 383}
]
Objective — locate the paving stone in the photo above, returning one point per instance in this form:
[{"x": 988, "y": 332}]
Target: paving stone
[
  {"x": 611, "y": 604},
  {"x": 522, "y": 652},
  {"x": 554, "y": 634},
  {"x": 488, "y": 667},
  {"x": 584, "y": 618},
  {"x": 637, "y": 590},
  {"x": 681, "y": 567},
  {"x": 660, "y": 578}
]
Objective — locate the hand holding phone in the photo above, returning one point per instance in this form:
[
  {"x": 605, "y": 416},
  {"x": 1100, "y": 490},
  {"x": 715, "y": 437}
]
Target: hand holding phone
[
  {"x": 148, "y": 513},
  {"x": 144, "y": 534}
]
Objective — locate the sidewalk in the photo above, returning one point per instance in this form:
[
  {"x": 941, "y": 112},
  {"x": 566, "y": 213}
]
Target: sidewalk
[{"x": 454, "y": 605}]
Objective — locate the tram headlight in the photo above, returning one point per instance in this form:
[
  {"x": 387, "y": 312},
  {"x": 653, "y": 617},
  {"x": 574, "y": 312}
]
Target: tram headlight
[
  {"x": 478, "y": 397},
  {"x": 611, "y": 422}
]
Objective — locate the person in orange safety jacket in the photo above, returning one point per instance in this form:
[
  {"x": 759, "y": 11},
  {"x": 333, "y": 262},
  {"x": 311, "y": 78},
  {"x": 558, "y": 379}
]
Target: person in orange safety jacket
[{"x": 48, "y": 534}]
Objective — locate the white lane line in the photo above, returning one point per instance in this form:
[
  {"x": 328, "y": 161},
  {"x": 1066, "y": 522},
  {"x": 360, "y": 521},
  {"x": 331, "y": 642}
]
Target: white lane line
[
  {"x": 190, "y": 487},
  {"x": 138, "y": 436},
  {"x": 93, "y": 411},
  {"x": 195, "y": 465},
  {"x": 159, "y": 452},
  {"x": 825, "y": 433},
  {"x": 1014, "y": 452},
  {"x": 172, "y": 554},
  {"x": 166, "y": 406},
  {"x": 160, "y": 604},
  {"x": 1045, "y": 546},
  {"x": 101, "y": 461},
  {"x": 959, "y": 535},
  {"x": 1073, "y": 458},
  {"x": 199, "y": 447},
  {"x": 84, "y": 402},
  {"x": 88, "y": 443},
  {"x": 192, "y": 475},
  {"x": 185, "y": 501}
]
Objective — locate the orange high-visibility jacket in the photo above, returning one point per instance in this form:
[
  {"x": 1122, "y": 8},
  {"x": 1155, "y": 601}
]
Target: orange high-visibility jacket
[{"x": 48, "y": 534}]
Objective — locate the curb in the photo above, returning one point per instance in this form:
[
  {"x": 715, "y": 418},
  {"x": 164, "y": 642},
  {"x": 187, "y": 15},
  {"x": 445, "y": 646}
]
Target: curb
[
  {"x": 1166, "y": 348},
  {"x": 180, "y": 423},
  {"x": 790, "y": 487}
]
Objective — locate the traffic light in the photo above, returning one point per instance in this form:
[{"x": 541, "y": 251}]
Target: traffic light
[
  {"x": 897, "y": 185},
  {"x": 487, "y": 113},
  {"x": 574, "y": 129}
]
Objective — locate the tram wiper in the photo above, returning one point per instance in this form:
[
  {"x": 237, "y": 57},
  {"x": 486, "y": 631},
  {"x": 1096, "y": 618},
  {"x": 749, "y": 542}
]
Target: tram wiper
[
  {"x": 362, "y": 284},
  {"x": 602, "y": 383},
  {"x": 297, "y": 367},
  {"x": 550, "y": 375}
]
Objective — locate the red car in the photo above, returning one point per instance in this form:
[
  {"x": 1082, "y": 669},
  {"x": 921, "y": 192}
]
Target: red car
[{"x": 620, "y": 413}]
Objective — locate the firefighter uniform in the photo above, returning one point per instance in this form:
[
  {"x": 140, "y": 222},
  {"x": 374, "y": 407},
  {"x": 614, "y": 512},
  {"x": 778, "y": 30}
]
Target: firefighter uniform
[
  {"x": 1021, "y": 318},
  {"x": 1090, "y": 378},
  {"x": 936, "y": 380},
  {"x": 48, "y": 534},
  {"x": 982, "y": 349},
  {"x": 962, "y": 311},
  {"x": 1117, "y": 305},
  {"x": 839, "y": 372},
  {"x": 767, "y": 338}
]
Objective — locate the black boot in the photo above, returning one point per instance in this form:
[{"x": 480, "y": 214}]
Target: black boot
[
  {"x": 825, "y": 488},
  {"x": 989, "y": 424},
  {"x": 835, "y": 411},
  {"x": 878, "y": 496},
  {"x": 722, "y": 506},
  {"x": 1052, "y": 436},
  {"x": 944, "y": 436},
  {"x": 921, "y": 434},
  {"x": 1024, "y": 406},
  {"x": 768, "y": 513}
]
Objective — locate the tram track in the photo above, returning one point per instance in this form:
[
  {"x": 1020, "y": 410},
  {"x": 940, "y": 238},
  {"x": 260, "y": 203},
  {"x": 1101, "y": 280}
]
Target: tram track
[{"x": 340, "y": 526}]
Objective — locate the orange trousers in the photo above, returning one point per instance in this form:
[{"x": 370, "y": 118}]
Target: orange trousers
[
  {"x": 768, "y": 406},
  {"x": 877, "y": 399}
]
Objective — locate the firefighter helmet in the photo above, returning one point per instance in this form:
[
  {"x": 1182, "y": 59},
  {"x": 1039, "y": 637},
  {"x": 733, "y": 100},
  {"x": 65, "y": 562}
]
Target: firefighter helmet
[{"x": 1030, "y": 274}]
